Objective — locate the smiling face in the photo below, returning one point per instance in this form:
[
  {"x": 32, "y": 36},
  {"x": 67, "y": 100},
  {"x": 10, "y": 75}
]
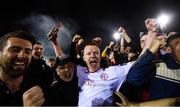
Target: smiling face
[
  {"x": 37, "y": 51},
  {"x": 16, "y": 57},
  {"x": 92, "y": 57}
]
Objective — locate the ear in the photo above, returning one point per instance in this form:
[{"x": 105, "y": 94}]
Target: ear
[
  {"x": 168, "y": 50},
  {"x": 84, "y": 58}
]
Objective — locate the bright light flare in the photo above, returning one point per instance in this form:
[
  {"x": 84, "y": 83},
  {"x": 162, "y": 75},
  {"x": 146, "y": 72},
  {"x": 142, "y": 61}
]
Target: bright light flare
[
  {"x": 117, "y": 36},
  {"x": 163, "y": 20}
]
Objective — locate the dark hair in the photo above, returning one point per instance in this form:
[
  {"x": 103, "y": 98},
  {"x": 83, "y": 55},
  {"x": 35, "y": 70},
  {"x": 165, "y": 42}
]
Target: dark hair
[
  {"x": 51, "y": 59},
  {"x": 63, "y": 61},
  {"x": 38, "y": 43},
  {"x": 172, "y": 37},
  {"x": 18, "y": 34}
]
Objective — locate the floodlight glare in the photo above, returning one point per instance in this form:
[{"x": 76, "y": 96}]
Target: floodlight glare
[
  {"x": 117, "y": 36},
  {"x": 163, "y": 20}
]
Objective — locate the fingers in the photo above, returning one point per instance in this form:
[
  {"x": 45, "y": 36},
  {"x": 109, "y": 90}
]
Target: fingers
[
  {"x": 112, "y": 43},
  {"x": 151, "y": 24},
  {"x": 120, "y": 29},
  {"x": 162, "y": 40},
  {"x": 76, "y": 38},
  {"x": 119, "y": 104},
  {"x": 97, "y": 41},
  {"x": 39, "y": 102},
  {"x": 121, "y": 96},
  {"x": 171, "y": 33},
  {"x": 33, "y": 97},
  {"x": 80, "y": 41},
  {"x": 125, "y": 102}
]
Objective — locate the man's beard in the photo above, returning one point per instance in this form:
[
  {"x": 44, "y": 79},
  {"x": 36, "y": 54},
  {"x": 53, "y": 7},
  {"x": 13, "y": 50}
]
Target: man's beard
[{"x": 9, "y": 68}]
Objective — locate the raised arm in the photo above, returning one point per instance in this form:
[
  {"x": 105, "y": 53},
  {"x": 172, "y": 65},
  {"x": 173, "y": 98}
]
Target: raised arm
[
  {"x": 107, "y": 49},
  {"x": 124, "y": 34},
  {"x": 52, "y": 36},
  {"x": 142, "y": 68},
  {"x": 152, "y": 27}
]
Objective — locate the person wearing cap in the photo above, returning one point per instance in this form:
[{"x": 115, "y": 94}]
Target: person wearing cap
[{"x": 64, "y": 89}]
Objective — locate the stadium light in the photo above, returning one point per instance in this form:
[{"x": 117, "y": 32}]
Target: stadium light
[
  {"x": 163, "y": 20},
  {"x": 117, "y": 36}
]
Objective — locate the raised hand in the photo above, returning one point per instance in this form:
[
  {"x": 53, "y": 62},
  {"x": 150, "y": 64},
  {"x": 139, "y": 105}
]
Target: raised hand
[
  {"x": 33, "y": 97},
  {"x": 152, "y": 27},
  {"x": 151, "y": 24},
  {"x": 158, "y": 42},
  {"x": 111, "y": 44},
  {"x": 124, "y": 34},
  {"x": 97, "y": 41},
  {"x": 125, "y": 102},
  {"x": 171, "y": 33},
  {"x": 76, "y": 38},
  {"x": 122, "y": 30}
]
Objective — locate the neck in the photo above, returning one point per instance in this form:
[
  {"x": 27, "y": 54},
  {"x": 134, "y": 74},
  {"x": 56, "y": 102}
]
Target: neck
[
  {"x": 93, "y": 69},
  {"x": 12, "y": 83}
]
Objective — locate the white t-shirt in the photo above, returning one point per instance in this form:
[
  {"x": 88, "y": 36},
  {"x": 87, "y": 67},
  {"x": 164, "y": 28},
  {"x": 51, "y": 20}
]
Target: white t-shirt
[{"x": 97, "y": 88}]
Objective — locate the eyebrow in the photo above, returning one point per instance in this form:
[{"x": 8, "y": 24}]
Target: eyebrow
[{"x": 20, "y": 47}]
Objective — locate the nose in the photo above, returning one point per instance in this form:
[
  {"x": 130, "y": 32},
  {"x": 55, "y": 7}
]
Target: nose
[
  {"x": 39, "y": 50},
  {"x": 92, "y": 54},
  {"x": 66, "y": 69},
  {"x": 21, "y": 53}
]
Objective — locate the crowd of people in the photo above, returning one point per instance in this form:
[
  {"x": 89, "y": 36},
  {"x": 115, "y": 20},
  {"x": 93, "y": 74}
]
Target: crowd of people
[{"x": 119, "y": 75}]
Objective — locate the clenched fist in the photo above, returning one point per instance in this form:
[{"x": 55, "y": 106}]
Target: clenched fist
[{"x": 33, "y": 97}]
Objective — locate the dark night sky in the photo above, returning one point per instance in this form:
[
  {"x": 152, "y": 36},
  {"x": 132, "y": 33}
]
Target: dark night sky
[{"x": 89, "y": 17}]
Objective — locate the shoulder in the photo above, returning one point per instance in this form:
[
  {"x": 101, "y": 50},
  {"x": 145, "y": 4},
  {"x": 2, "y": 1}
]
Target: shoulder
[{"x": 81, "y": 70}]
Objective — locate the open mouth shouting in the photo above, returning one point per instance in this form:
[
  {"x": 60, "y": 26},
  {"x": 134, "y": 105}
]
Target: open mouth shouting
[{"x": 93, "y": 61}]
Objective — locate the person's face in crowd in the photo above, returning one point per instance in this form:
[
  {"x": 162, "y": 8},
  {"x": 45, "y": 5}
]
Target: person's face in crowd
[
  {"x": 142, "y": 41},
  {"x": 16, "y": 57},
  {"x": 51, "y": 63},
  {"x": 131, "y": 55},
  {"x": 175, "y": 47},
  {"x": 37, "y": 51},
  {"x": 66, "y": 71},
  {"x": 92, "y": 57}
]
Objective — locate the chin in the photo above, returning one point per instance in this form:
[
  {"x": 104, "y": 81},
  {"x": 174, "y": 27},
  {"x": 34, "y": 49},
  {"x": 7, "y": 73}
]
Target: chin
[
  {"x": 16, "y": 75},
  {"x": 68, "y": 79},
  {"x": 20, "y": 69}
]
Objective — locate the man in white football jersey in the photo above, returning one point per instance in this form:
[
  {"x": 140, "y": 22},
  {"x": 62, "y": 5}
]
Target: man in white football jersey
[{"x": 96, "y": 85}]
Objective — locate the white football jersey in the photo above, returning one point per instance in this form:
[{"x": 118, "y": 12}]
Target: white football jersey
[{"x": 97, "y": 88}]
